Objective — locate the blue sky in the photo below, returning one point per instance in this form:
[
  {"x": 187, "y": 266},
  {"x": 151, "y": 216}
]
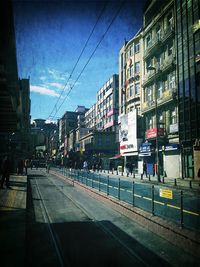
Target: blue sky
[{"x": 50, "y": 36}]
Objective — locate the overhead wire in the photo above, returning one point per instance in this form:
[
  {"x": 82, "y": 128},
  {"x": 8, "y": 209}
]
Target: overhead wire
[
  {"x": 92, "y": 54},
  {"x": 78, "y": 59}
]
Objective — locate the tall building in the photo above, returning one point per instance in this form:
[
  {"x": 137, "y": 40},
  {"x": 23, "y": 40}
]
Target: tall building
[
  {"x": 69, "y": 121},
  {"x": 188, "y": 81},
  {"x": 107, "y": 105},
  {"x": 130, "y": 82},
  {"x": 130, "y": 74},
  {"x": 90, "y": 117},
  {"x": 8, "y": 70},
  {"x": 9, "y": 85},
  {"x": 159, "y": 95}
]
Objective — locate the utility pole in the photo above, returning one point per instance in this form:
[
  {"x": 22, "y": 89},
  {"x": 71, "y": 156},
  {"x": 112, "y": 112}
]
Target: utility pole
[{"x": 156, "y": 120}]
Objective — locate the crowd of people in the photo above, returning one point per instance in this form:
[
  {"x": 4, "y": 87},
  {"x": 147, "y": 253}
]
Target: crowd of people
[{"x": 7, "y": 166}]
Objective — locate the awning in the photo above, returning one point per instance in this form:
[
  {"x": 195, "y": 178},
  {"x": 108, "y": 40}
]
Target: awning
[
  {"x": 116, "y": 157},
  {"x": 127, "y": 154}
]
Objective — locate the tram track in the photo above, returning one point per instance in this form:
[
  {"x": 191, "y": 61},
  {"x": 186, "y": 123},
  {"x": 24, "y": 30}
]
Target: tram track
[
  {"x": 48, "y": 221},
  {"x": 129, "y": 251}
]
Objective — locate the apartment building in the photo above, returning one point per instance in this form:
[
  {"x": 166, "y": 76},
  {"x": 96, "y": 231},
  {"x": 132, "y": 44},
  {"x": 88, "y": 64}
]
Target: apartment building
[
  {"x": 130, "y": 82},
  {"x": 107, "y": 106},
  {"x": 159, "y": 98},
  {"x": 90, "y": 117}
]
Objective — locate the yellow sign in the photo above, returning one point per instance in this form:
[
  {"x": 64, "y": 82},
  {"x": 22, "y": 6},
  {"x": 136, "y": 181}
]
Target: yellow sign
[{"x": 166, "y": 193}]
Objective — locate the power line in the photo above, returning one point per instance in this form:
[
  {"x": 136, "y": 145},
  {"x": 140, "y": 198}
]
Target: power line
[
  {"x": 90, "y": 35},
  {"x": 116, "y": 14}
]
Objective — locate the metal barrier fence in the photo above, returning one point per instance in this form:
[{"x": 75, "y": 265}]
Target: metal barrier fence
[{"x": 175, "y": 205}]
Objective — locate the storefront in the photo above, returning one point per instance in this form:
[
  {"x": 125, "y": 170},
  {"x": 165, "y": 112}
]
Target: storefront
[
  {"x": 147, "y": 156},
  {"x": 171, "y": 161}
]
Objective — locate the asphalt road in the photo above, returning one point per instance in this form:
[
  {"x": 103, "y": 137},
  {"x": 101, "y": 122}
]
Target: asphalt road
[{"x": 66, "y": 227}]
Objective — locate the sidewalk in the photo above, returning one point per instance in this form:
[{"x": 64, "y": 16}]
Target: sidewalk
[
  {"x": 13, "y": 222},
  {"x": 177, "y": 183}
]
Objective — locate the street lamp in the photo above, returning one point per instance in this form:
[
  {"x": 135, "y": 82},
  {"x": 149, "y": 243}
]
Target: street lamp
[{"x": 156, "y": 119}]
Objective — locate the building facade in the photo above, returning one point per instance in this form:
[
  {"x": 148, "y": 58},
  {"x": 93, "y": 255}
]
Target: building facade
[
  {"x": 188, "y": 80},
  {"x": 90, "y": 117},
  {"x": 107, "y": 106},
  {"x": 159, "y": 97},
  {"x": 130, "y": 82}
]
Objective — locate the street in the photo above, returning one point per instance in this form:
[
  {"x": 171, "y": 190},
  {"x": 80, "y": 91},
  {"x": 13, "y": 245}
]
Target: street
[{"x": 66, "y": 227}]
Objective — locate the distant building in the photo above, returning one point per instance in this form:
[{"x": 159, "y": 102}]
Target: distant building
[
  {"x": 98, "y": 144},
  {"x": 107, "y": 108},
  {"x": 69, "y": 121},
  {"x": 90, "y": 117}
]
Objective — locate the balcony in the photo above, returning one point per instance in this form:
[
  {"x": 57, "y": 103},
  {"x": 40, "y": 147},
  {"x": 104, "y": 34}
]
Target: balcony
[
  {"x": 148, "y": 105},
  {"x": 168, "y": 64},
  {"x": 167, "y": 96},
  {"x": 151, "y": 76},
  {"x": 168, "y": 33},
  {"x": 153, "y": 46}
]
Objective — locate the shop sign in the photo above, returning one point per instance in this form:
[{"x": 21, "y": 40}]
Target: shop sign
[
  {"x": 166, "y": 193},
  {"x": 151, "y": 133},
  {"x": 171, "y": 147},
  {"x": 145, "y": 148}
]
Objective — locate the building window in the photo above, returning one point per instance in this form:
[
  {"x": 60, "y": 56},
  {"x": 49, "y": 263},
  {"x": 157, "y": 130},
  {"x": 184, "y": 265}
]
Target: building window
[
  {"x": 171, "y": 80},
  {"x": 149, "y": 94},
  {"x": 131, "y": 73},
  {"x": 170, "y": 20},
  {"x": 158, "y": 32},
  {"x": 137, "y": 67},
  {"x": 137, "y": 46},
  {"x": 148, "y": 41},
  {"x": 131, "y": 50},
  {"x": 159, "y": 89},
  {"x": 137, "y": 88},
  {"x": 174, "y": 116},
  {"x": 150, "y": 123},
  {"x": 170, "y": 48},
  {"x": 131, "y": 91},
  {"x": 148, "y": 64}
]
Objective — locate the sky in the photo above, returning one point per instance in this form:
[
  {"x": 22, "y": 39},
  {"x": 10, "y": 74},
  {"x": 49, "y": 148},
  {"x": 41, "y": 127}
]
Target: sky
[{"x": 50, "y": 36}]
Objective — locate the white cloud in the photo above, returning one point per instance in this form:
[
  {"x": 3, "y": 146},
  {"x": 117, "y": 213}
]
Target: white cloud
[
  {"x": 43, "y": 78},
  {"x": 51, "y": 121},
  {"x": 57, "y": 85},
  {"x": 57, "y": 75},
  {"x": 43, "y": 90}
]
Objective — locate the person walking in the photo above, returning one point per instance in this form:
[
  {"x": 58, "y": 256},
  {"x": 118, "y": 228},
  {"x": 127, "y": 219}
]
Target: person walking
[
  {"x": 26, "y": 164},
  {"x": 5, "y": 172},
  {"x": 85, "y": 165},
  {"x": 145, "y": 168}
]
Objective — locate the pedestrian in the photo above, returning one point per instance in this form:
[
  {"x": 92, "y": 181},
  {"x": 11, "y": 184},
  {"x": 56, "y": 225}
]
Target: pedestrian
[
  {"x": 144, "y": 168},
  {"x": 26, "y": 164},
  {"x": 20, "y": 167},
  {"x": 127, "y": 167},
  {"x": 85, "y": 165},
  {"x": 5, "y": 172},
  {"x": 31, "y": 164}
]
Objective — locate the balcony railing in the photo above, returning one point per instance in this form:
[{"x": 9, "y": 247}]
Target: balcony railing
[
  {"x": 152, "y": 47},
  {"x": 166, "y": 96}
]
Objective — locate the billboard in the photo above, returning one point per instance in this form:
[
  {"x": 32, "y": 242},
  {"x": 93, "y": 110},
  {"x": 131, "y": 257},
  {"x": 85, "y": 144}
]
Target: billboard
[{"x": 128, "y": 132}]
